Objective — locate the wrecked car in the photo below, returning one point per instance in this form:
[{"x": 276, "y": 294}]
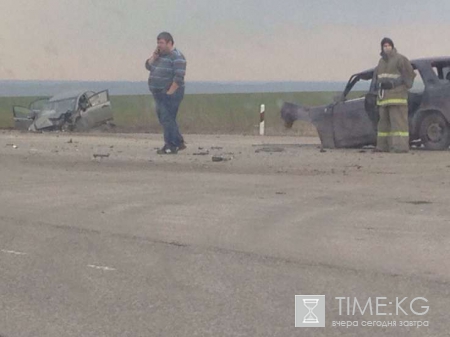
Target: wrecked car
[
  {"x": 351, "y": 122},
  {"x": 71, "y": 111}
]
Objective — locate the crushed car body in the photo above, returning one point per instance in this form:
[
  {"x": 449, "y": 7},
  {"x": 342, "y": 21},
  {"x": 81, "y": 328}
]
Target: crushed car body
[
  {"x": 351, "y": 122},
  {"x": 71, "y": 111}
]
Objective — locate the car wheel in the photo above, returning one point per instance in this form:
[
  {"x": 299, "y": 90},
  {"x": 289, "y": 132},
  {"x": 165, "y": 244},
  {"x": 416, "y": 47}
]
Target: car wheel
[{"x": 435, "y": 132}]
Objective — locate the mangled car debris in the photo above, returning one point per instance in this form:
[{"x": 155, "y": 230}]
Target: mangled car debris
[
  {"x": 352, "y": 122},
  {"x": 72, "y": 111}
]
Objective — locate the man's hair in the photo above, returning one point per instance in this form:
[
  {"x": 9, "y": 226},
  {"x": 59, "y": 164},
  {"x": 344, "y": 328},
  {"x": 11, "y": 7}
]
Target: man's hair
[
  {"x": 388, "y": 41},
  {"x": 165, "y": 36}
]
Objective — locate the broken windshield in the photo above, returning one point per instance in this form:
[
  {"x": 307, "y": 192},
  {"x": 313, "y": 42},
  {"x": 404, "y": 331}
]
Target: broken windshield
[{"x": 61, "y": 106}]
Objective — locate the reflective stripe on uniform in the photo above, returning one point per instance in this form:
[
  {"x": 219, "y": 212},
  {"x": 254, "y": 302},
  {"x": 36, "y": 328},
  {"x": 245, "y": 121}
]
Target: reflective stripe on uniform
[
  {"x": 399, "y": 134},
  {"x": 384, "y": 75},
  {"x": 397, "y": 101},
  {"x": 393, "y": 134}
]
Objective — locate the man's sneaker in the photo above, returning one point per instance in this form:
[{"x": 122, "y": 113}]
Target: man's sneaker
[
  {"x": 182, "y": 146},
  {"x": 167, "y": 150}
]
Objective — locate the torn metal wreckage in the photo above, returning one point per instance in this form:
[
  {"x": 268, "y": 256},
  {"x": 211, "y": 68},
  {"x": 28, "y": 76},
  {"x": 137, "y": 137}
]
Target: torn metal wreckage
[
  {"x": 351, "y": 122},
  {"x": 70, "y": 111}
]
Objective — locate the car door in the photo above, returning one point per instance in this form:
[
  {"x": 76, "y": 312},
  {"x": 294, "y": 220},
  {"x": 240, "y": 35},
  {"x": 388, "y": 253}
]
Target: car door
[
  {"x": 38, "y": 104},
  {"x": 352, "y": 124},
  {"x": 99, "y": 110},
  {"x": 23, "y": 117}
]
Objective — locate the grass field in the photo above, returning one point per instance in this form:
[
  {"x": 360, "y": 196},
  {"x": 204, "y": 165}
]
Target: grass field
[{"x": 209, "y": 113}]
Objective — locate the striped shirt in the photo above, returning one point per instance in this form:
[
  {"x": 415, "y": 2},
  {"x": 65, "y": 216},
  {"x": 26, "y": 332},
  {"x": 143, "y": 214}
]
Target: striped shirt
[{"x": 168, "y": 68}]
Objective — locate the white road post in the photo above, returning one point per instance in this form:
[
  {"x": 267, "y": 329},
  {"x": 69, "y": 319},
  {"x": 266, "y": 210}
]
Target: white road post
[{"x": 261, "y": 119}]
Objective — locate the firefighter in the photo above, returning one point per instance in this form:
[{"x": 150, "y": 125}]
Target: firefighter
[{"x": 394, "y": 76}]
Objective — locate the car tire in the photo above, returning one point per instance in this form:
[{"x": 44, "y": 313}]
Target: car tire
[{"x": 434, "y": 132}]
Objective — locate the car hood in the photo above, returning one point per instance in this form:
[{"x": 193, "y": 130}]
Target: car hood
[
  {"x": 291, "y": 112},
  {"x": 45, "y": 119}
]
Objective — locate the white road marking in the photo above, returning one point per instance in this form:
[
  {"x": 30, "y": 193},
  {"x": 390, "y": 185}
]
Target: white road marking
[
  {"x": 101, "y": 267},
  {"x": 12, "y": 252}
]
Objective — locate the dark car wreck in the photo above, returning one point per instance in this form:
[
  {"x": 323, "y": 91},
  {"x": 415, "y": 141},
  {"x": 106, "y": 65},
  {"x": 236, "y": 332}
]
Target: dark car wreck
[
  {"x": 352, "y": 122},
  {"x": 72, "y": 111}
]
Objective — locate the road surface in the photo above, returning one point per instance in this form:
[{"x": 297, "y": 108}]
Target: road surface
[{"x": 130, "y": 243}]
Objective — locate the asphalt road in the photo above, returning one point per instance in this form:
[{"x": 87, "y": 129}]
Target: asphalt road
[{"x": 136, "y": 244}]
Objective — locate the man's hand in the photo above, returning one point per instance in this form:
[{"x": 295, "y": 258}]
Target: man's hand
[
  {"x": 172, "y": 89},
  {"x": 156, "y": 53},
  {"x": 387, "y": 85},
  {"x": 154, "y": 56}
]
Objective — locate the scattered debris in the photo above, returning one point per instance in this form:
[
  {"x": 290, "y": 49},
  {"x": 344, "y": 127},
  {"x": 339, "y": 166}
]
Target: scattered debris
[
  {"x": 176, "y": 243},
  {"x": 201, "y": 153},
  {"x": 216, "y": 148},
  {"x": 220, "y": 158},
  {"x": 280, "y": 193},
  {"x": 269, "y": 149},
  {"x": 418, "y": 202},
  {"x": 283, "y": 145},
  {"x": 101, "y": 155},
  {"x": 322, "y": 150},
  {"x": 70, "y": 141}
]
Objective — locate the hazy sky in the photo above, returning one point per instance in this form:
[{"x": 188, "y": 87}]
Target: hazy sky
[{"x": 249, "y": 40}]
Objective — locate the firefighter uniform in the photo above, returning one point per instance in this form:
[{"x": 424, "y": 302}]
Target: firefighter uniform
[{"x": 394, "y": 76}]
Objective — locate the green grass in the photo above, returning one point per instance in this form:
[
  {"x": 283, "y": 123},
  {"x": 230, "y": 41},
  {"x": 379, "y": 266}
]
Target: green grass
[{"x": 209, "y": 113}]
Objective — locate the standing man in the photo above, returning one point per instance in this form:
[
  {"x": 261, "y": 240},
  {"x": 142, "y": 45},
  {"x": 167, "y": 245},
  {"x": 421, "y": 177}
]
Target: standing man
[
  {"x": 394, "y": 76},
  {"x": 167, "y": 68}
]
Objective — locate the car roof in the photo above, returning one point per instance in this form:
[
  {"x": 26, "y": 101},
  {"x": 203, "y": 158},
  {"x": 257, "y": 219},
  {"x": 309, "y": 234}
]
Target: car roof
[
  {"x": 367, "y": 74},
  {"x": 72, "y": 94},
  {"x": 441, "y": 59},
  {"x": 68, "y": 95}
]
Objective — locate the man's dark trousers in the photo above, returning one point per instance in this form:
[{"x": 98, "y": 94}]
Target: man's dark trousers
[{"x": 167, "y": 110}]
